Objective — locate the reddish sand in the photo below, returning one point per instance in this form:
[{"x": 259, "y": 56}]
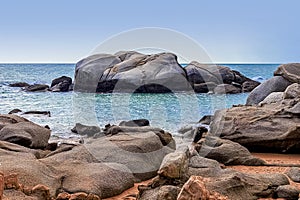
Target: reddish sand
[
  {"x": 126, "y": 195},
  {"x": 268, "y": 157}
]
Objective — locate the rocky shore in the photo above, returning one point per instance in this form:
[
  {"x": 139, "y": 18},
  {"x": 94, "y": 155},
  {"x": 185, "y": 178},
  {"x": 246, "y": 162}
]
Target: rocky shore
[{"x": 198, "y": 163}]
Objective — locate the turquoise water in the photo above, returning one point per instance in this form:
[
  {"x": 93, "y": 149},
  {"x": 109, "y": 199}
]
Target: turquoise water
[{"x": 168, "y": 111}]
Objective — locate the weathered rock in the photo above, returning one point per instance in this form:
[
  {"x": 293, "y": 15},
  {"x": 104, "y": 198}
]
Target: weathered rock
[
  {"x": 102, "y": 179},
  {"x": 1, "y": 184},
  {"x": 131, "y": 72},
  {"x": 19, "y": 84},
  {"x": 236, "y": 185},
  {"x": 135, "y": 123},
  {"x": 174, "y": 165},
  {"x": 86, "y": 130},
  {"x": 202, "y": 73},
  {"x": 37, "y": 88},
  {"x": 295, "y": 110},
  {"x": 292, "y": 91},
  {"x": 60, "y": 80},
  {"x": 158, "y": 73},
  {"x": 10, "y": 119},
  {"x": 141, "y": 152},
  {"x": 41, "y": 192},
  {"x": 227, "y": 89},
  {"x": 11, "y": 181},
  {"x": 168, "y": 192},
  {"x": 89, "y": 70},
  {"x": 294, "y": 174},
  {"x": 275, "y": 84},
  {"x": 290, "y": 72},
  {"x": 195, "y": 189},
  {"x": 200, "y": 166},
  {"x": 268, "y": 128},
  {"x": 274, "y": 97},
  {"x": 228, "y": 152},
  {"x": 287, "y": 192},
  {"x": 26, "y": 134}
]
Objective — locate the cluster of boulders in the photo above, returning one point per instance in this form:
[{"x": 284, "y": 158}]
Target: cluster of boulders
[
  {"x": 61, "y": 84},
  {"x": 133, "y": 72},
  {"x": 100, "y": 167}
]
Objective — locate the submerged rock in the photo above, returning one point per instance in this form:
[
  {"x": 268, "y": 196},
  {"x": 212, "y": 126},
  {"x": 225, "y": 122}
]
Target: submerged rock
[
  {"x": 37, "y": 88},
  {"x": 19, "y": 84}
]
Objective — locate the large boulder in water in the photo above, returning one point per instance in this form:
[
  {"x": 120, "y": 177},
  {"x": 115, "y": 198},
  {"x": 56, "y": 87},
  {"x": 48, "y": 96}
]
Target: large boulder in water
[
  {"x": 290, "y": 72},
  {"x": 198, "y": 74},
  {"x": 131, "y": 72},
  {"x": 89, "y": 70},
  {"x": 275, "y": 84},
  {"x": 61, "y": 84}
]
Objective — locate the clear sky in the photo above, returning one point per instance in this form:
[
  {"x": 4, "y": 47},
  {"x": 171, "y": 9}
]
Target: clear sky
[{"x": 230, "y": 30}]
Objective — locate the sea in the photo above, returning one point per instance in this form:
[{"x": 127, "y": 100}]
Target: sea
[{"x": 167, "y": 111}]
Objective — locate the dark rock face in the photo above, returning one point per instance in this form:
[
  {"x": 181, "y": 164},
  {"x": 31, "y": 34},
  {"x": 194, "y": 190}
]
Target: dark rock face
[
  {"x": 19, "y": 84},
  {"x": 61, "y": 84},
  {"x": 37, "y": 88},
  {"x": 220, "y": 79},
  {"x": 204, "y": 87},
  {"x": 275, "y": 84},
  {"x": 135, "y": 123},
  {"x": 227, "y": 89},
  {"x": 290, "y": 72},
  {"x": 86, "y": 130},
  {"x": 61, "y": 79}
]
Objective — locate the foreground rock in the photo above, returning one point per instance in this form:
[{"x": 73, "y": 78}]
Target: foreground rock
[
  {"x": 273, "y": 126},
  {"x": 100, "y": 168},
  {"x": 158, "y": 73},
  {"x": 284, "y": 76},
  {"x": 290, "y": 72},
  {"x": 208, "y": 180},
  {"x": 20, "y": 131}
]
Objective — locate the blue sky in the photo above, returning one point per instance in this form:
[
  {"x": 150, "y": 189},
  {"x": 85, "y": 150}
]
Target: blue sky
[{"x": 230, "y": 31}]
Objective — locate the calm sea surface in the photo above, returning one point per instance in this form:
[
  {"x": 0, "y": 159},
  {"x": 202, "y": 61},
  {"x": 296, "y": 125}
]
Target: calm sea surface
[{"x": 168, "y": 111}]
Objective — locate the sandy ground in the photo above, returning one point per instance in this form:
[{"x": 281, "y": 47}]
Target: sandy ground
[
  {"x": 268, "y": 157},
  {"x": 126, "y": 195}
]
